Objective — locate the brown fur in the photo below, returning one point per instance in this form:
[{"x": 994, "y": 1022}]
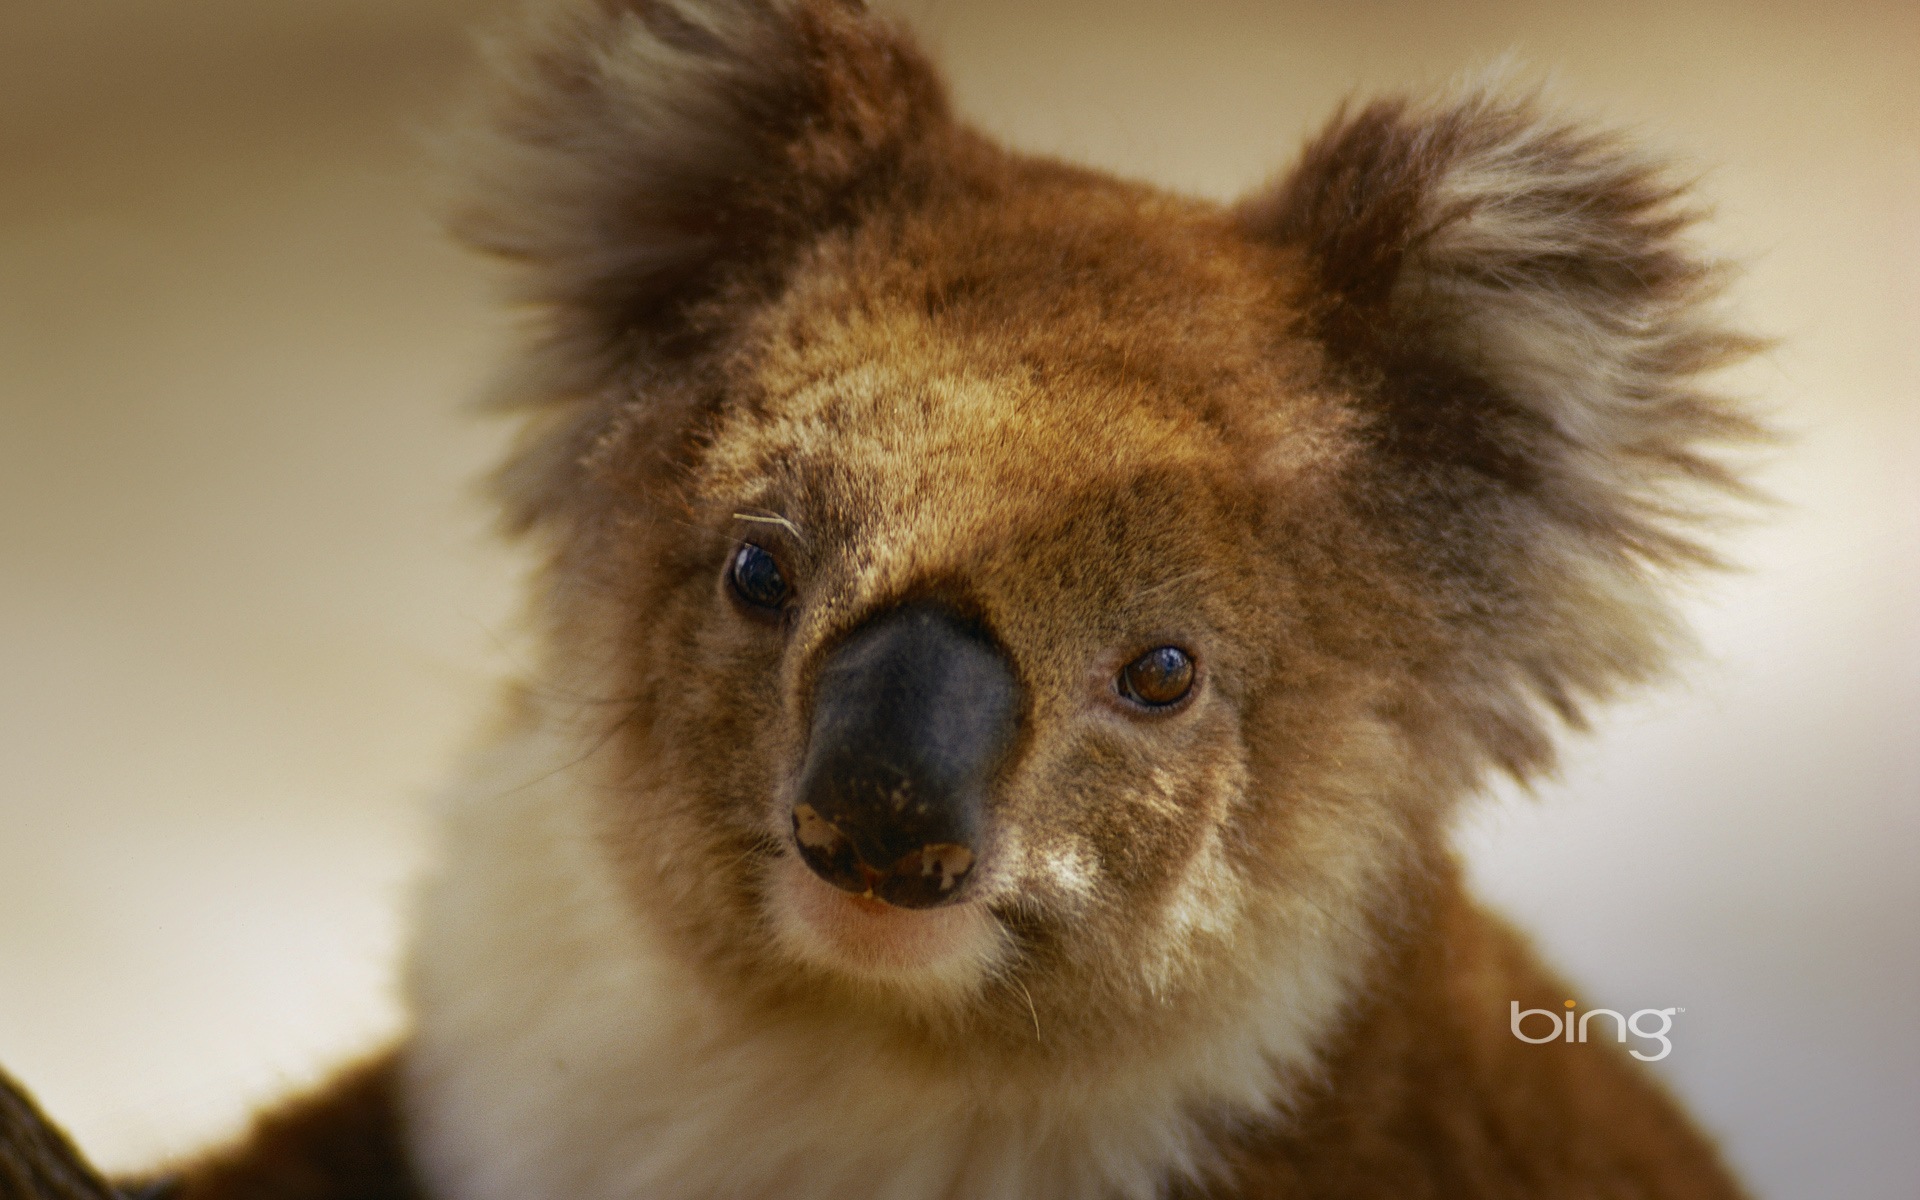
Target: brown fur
[
  {"x": 343, "y": 1142},
  {"x": 1429, "y": 1095},
  {"x": 1402, "y": 449}
]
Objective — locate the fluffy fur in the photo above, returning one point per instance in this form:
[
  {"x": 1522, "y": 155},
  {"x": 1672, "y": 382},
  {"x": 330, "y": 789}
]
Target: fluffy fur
[
  {"x": 1401, "y": 449},
  {"x": 344, "y": 1141},
  {"x": 561, "y": 1027},
  {"x": 1512, "y": 295}
]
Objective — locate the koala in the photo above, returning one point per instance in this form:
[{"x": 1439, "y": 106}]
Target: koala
[{"x": 1012, "y": 642}]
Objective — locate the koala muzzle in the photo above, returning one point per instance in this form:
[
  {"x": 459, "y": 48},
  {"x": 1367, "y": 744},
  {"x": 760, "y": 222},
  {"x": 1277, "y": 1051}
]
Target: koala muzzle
[{"x": 913, "y": 714}]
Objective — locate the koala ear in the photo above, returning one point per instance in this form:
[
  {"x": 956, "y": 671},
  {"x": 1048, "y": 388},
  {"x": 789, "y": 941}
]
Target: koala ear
[
  {"x": 1511, "y": 302},
  {"x": 646, "y": 167},
  {"x": 633, "y": 157}
]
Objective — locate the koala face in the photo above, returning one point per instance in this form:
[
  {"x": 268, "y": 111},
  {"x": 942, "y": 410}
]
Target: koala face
[
  {"x": 947, "y": 654},
  {"x": 1010, "y": 597},
  {"x": 974, "y": 639}
]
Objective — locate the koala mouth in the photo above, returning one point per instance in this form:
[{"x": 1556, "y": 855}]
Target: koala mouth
[{"x": 953, "y": 946}]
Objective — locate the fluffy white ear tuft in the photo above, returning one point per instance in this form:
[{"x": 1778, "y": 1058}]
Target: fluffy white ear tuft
[
  {"x": 1512, "y": 300},
  {"x": 632, "y": 156}
]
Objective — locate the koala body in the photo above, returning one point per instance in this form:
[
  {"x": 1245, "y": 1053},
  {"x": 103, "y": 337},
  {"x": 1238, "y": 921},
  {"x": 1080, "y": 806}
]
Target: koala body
[{"x": 1013, "y": 641}]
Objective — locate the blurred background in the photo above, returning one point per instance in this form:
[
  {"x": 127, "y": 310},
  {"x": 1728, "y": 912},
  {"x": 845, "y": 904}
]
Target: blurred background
[{"x": 249, "y": 609}]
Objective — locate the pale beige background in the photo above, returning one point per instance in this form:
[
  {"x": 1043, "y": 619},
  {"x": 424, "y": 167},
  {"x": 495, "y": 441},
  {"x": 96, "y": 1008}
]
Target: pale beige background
[{"x": 247, "y": 609}]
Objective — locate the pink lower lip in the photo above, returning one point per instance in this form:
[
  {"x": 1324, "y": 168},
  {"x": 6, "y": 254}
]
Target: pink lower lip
[{"x": 868, "y": 933}]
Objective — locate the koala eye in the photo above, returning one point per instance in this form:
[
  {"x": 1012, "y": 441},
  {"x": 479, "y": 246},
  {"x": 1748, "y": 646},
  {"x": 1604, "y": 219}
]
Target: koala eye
[
  {"x": 756, "y": 578},
  {"x": 1160, "y": 678}
]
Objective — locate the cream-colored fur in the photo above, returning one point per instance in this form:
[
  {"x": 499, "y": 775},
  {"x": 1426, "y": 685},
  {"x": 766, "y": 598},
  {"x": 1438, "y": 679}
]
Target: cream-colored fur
[{"x": 561, "y": 1053}]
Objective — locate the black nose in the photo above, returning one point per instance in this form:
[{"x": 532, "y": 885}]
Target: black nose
[{"x": 913, "y": 713}]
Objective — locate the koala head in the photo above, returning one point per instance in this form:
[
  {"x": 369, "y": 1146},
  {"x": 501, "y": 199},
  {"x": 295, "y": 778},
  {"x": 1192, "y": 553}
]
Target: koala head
[{"x": 999, "y": 594}]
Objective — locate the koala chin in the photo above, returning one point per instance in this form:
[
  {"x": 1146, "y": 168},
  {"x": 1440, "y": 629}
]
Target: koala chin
[{"x": 1013, "y": 641}]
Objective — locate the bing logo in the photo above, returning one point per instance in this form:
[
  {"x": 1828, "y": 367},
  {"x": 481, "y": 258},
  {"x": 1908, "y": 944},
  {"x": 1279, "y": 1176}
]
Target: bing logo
[{"x": 1564, "y": 1027}]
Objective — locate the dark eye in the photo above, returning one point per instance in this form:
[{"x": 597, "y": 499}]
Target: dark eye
[
  {"x": 756, "y": 578},
  {"x": 1157, "y": 679}
]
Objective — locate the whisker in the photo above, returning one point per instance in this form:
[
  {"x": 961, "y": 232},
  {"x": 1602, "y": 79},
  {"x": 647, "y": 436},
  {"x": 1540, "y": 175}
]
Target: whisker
[
  {"x": 769, "y": 519},
  {"x": 613, "y": 728},
  {"x": 1031, "y": 1010}
]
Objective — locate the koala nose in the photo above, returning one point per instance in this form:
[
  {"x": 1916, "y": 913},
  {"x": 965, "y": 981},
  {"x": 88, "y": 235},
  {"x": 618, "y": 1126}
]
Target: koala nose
[{"x": 913, "y": 714}]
